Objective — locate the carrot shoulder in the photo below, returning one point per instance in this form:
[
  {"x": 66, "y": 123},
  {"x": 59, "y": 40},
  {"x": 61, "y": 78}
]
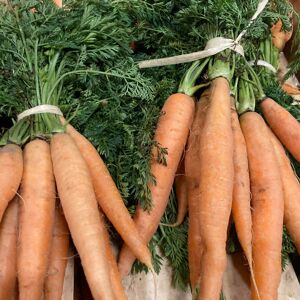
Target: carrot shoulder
[
  {"x": 171, "y": 133},
  {"x": 80, "y": 207},
  {"x": 267, "y": 203},
  {"x": 11, "y": 169},
  {"x": 37, "y": 206},
  {"x": 109, "y": 198},
  {"x": 284, "y": 125},
  {"x": 58, "y": 257},
  {"x": 8, "y": 250},
  {"x": 215, "y": 187}
]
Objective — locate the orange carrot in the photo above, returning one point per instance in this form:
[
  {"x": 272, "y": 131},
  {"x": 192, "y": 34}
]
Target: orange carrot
[
  {"x": 8, "y": 250},
  {"x": 291, "y": 192},
  {"x": 115, "y": 277},
  {"x": 289, "y": 89},
  {"x": 215, "y": 187},
  {"x": 58, "y": 257},
  {"x": 109, "y": 198},
  {"x": 192, "y": 182},
  {"x": 58, "y": 3},
  {"x": 11, "y": 169},
  {"x": 267, "y": 203},
  {"x": 181, "y": 195},
  {"x": 284, "y": 125},
  {"x": 241, "y": 208},
  {"x": 37, "y": 207},
  {"x": 80, "y": 207},
  {"x": 171, "y": 133},
  {"x": 280, "y": 37}
]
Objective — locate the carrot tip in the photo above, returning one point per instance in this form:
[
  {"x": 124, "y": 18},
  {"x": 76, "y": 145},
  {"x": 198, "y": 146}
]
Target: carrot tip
[{"x": 170, "y": 225}]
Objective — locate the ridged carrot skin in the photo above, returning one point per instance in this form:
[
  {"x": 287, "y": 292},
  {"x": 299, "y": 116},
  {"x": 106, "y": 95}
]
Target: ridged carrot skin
[
  {"x": 171, "y": 133},
  {"x": 58, "y": 257},
  {"x": 109, "y": 198},
  {"x": 215, "y": 187},
  {"x": 241, "y": 201},
  {"x": 11, "y": 170},
  {"x": 192, "y": 181},
  {"x": 267, "y": 204},
  {"x": 8, "y": 250},
  {"x": 36, "y": 217},
  {"x": 284, "y": 125},
  {"x": 291, "y": 192},
  {"x": 78, "y": 200}
]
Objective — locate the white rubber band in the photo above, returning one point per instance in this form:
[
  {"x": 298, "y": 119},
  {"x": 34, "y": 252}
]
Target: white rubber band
[
  {"x": 40, "y": 109},
  {"x": 213, "y": 46},
  {"x": 262, "y": 63}
]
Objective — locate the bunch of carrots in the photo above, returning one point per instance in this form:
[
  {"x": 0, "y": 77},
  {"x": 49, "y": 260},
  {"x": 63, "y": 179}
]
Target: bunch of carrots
[
  {"x": 29, "y": 182},
  {"x": 232, "y": 163},
  {"x": 55, "y": 186}
]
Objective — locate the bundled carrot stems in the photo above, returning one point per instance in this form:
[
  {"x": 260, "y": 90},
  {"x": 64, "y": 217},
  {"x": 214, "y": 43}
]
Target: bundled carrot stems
[{"x": 96, "y": 143}]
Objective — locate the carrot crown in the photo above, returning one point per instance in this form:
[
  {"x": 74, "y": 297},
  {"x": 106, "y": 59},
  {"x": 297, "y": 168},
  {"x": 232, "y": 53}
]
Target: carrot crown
[{"x": 188, "y": 81}]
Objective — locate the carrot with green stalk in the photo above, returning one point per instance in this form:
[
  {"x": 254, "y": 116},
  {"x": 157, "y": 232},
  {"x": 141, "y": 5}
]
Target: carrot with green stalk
[
  {"x": 215, "y": 196},
  {"x": 192, "y": 186},
  {"x": 171, "y": 133},
  {"x": 267, "y": 194}
]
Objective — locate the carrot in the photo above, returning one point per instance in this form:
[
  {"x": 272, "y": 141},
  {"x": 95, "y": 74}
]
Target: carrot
[
  {"x": 181, "y": 195},
  {"x": 267, "y": 203},
  {"x": 284, "y": 125},
  {"x": 180, "y": 190},
  {"x": 171, "y": 133},
  {"x": 109, "y": 198},
  {"x": 80, "y": 207},
  {"x": 241, "y": 208},
  {"x": 215, "y": 187},
  {"x": 58, "y": 257},
  {"x": 192, "y": 182},
  {"x": 291, "y": 192},
  {"x": 289, "y": 89},
  {"x": 58, "y": 3},
  {"x": 280, "y": 37},
  {"x": 115, "y": 277},
  {"x": 8, "y": 250},
  {"x": 11, "y": 169},
  {"x": 36, "y": 219}
]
